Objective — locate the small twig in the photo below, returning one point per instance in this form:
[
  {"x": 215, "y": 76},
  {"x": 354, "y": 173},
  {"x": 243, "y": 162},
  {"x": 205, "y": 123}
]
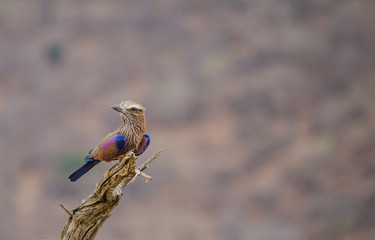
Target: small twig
[
  {"x": 146, "y": 164},
  {"x": 66, "y": 210},
  {"x": 148, "y": 177}
]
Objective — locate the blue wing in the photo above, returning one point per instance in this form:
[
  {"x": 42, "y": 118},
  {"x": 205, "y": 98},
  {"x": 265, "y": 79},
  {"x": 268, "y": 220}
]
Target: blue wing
[
  {"x": 143, "y": 145},
  {"x": 109, "y": 149},
  {"x": 106, "y": 152}
]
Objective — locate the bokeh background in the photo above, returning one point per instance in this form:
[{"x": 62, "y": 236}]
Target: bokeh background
[{"x": 265, "y": 107}]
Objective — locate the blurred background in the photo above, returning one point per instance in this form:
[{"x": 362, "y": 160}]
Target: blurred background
[{"x": 265, "y": 108}]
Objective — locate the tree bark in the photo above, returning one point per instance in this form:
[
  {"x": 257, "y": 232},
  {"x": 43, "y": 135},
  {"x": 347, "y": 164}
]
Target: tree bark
[{"x": 85, "y": 220}]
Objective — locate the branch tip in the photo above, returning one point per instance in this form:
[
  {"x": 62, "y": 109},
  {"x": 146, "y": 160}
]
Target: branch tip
[
  {"x": 146, "y": 164},
  {"x": 66, "y": 210}
]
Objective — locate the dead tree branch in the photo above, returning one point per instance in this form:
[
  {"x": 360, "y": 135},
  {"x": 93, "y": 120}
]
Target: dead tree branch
[{"x": 85, "y": 220}]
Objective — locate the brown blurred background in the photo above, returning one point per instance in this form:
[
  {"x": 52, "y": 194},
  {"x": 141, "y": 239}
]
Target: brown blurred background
[{"x": 265, "y": 108}]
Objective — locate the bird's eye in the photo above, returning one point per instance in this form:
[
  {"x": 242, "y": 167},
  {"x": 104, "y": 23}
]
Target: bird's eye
[{"x": 134, "y": 109}]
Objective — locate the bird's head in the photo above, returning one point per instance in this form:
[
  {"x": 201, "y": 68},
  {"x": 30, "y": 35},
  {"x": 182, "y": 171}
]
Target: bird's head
[{"x": 131, "y": 111}]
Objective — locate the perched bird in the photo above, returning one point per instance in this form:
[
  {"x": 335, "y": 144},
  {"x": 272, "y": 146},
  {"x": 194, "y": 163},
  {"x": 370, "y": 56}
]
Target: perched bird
[{"x": 130, "y": 136}]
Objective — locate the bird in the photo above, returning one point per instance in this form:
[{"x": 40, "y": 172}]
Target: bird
[{"x": 130, "y": 136}]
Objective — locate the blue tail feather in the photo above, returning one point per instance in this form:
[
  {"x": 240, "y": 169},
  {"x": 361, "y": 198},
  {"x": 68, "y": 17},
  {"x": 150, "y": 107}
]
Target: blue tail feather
[{"x": 84, "y": 169}]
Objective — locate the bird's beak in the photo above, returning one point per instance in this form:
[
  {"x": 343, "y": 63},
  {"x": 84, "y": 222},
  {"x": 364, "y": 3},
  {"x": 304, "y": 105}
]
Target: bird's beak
[{"x": 118, "y": 108}]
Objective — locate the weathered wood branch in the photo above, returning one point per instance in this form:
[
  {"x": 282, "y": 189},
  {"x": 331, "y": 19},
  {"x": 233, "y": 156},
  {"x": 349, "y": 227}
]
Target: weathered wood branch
[{"x": 85, "y": 220}]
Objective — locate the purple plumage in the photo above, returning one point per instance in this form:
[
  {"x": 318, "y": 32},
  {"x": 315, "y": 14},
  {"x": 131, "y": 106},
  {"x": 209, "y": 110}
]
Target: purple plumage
[
  {"x": 143, "y": 145},
  {"x": 128, "y": 137},
  {"x": 110, "y": 149}
]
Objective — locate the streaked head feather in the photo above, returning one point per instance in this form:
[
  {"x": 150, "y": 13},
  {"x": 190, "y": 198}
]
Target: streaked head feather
[{"x": 129, "y": 104}]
